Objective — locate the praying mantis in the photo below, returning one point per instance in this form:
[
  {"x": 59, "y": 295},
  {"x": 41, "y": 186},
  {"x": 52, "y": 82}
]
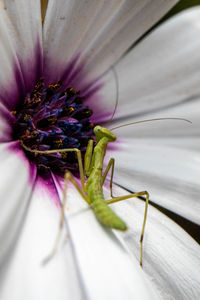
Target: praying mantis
[
  {"x": 92, "y": 189},
  {"x": 92, "y": 179}
]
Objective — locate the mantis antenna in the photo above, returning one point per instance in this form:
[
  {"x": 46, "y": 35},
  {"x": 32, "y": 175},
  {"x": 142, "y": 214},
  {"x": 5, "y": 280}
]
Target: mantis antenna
[
  {"x": 150, "y": 120},
  {"x": 117, "y": 95},
  {"x": 137, "y": 122}
]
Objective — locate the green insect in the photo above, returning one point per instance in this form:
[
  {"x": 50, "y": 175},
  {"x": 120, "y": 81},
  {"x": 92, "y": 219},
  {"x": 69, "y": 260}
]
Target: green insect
[
  {"x": 92, "y": 180},
  {"x": 92, "y": 188}
]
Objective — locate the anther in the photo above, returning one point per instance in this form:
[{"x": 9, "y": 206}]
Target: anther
[{"x": 53, "y": 118}]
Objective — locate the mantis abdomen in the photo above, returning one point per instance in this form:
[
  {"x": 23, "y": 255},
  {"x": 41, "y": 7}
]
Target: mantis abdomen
[
  {"x": 104, "y": 213},
  {"x": 106, "y": 216}
]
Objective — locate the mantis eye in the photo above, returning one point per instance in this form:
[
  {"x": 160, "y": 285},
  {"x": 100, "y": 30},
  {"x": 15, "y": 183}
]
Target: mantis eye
[{"x": 97, "y": 130}]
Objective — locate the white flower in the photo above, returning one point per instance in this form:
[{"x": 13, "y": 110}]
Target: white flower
[{"x": 159, "y": 77}]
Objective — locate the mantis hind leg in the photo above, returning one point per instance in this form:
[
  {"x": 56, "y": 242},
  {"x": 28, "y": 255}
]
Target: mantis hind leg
[
  {"x": 68, "y": 177},
  {"x": 143, "y": 193},
  {"x": 111, "y": 164}
]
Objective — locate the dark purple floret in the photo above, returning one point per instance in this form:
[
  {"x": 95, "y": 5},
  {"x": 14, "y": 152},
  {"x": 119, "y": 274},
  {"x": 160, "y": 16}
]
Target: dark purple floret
[{"x": 53, "y": 118}]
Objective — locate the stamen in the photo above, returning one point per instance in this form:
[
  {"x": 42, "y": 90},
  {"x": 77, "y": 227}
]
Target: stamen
[{"x": 53, "y": 118}]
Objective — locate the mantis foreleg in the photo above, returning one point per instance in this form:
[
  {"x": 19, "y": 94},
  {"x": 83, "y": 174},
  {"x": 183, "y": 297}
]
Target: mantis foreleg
[
  {"x": 143, "y": 193},
  {"x": 88, "y": 159}
]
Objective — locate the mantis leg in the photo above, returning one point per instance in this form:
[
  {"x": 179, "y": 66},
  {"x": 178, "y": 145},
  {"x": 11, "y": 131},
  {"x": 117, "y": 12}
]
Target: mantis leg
[
  {"x": 143, "y": 193},
  {"x": 78, "y": 153},
  {"x": 88, "y": 163},
  {"x": 111, "y": 165},
  {"x": 68, "y": 177}
]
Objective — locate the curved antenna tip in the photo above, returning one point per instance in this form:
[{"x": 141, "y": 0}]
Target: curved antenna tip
[
  {"x": 150, "y": 120},
  {"x": 117, "y": 95}
]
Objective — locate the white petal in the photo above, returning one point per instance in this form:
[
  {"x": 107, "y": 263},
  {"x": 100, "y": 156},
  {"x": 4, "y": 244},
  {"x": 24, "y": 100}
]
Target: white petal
[
  {"x": 25, "y": 17},
  {"x": 164, "y": 128},
  {"x": 184, "y": 143},
  {"x": 172, "y": 133},
  {"x": 15, "y": 189},
  {"x": 107, "y": 269},
  {"x": 171, "y": 257},
  {"x": 10, "y": 75},
  {"x": 170, "y": 175},
  {"x": 66, "y": 23},
  {"x": 117, "y": 38},
  {"x": 25, "y": 276},
  {"x": 163, "y": 70},
  {"x": 97, "y": 30}
]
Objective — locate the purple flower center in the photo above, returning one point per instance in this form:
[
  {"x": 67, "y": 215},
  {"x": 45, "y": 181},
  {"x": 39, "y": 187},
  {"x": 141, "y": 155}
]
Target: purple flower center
[{"x": 53, "y": 118}]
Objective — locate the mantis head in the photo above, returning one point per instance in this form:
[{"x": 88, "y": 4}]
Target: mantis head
[{"x": 101, "y": 132}]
